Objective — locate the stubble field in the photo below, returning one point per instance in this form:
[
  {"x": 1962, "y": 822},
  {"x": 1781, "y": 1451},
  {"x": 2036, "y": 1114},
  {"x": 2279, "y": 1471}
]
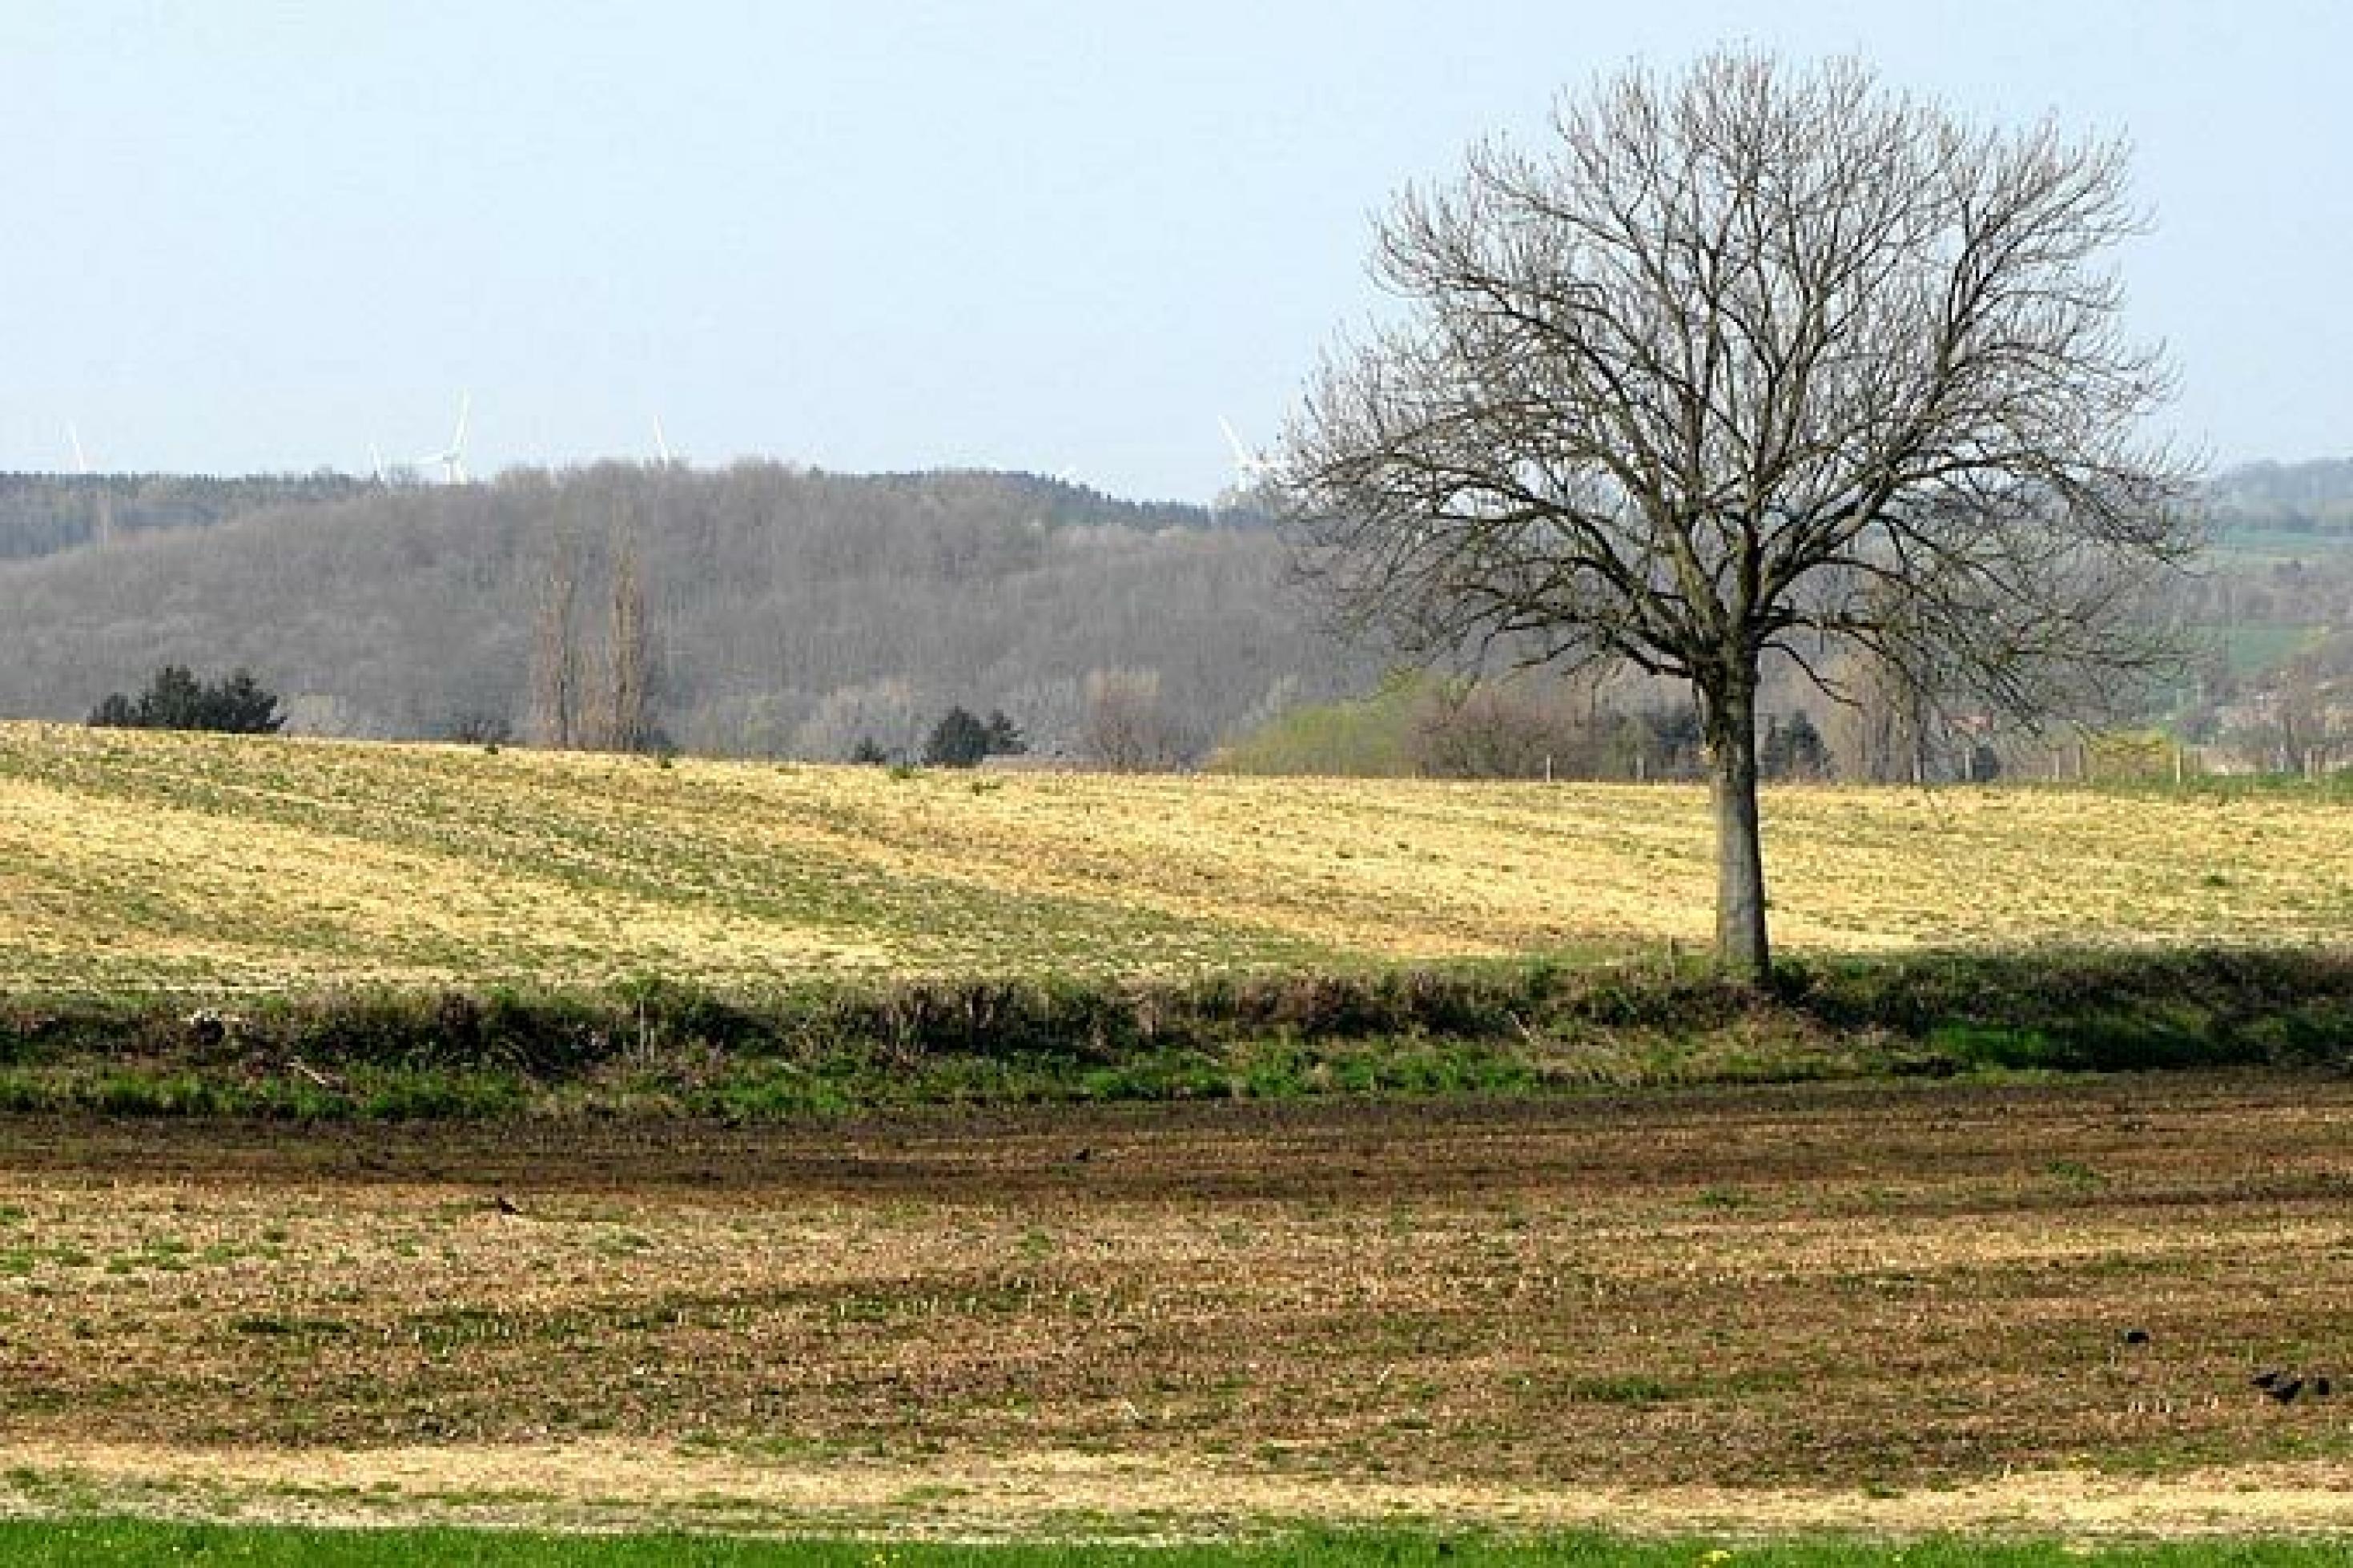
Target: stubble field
[
  {"x": 140, "y": 862},
  {"x": 1866, "y": 1308}
]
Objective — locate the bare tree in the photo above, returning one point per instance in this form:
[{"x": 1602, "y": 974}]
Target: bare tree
[
  {"x": 1504, "y": 730},
  {"x": 1877, "y": 731},
  {"x": 555, "y": 694},
  {"x": 1755, "y": 358},
  {"x": 886, "y": 714},
  {"x": 627, "y": 715},
  {"x": 1126, "y": 727}
]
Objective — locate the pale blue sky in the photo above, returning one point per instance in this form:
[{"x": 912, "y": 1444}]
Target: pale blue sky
[{"x": 890, "y": 236}]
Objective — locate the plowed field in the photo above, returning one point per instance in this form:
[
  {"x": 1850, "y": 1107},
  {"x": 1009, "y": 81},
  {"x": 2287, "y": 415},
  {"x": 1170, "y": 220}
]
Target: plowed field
[{"x": 1898, "y": 1308}]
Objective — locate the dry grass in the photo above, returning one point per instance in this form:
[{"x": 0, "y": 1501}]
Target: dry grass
[
  {"x": 130, "y": 860},
  {"x": 1749, "y": 1306},
  {"x": 609, "y": 1485}
]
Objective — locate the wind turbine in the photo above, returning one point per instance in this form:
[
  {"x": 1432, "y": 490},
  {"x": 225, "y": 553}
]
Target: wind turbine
[
  {"x": 103, "y": 523},
  {"x": 453, "y": 460},
  {"x": 1250, "y": 468},
  {"x": 661, "y": 444}
]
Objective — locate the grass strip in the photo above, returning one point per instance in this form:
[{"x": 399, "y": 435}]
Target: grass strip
[
  {"x": 1518, "y": 1028},
  {"x": 132, "y": 1541}
]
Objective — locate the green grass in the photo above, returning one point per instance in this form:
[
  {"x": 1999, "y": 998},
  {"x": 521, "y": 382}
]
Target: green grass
[
  {"x": 1370, "y": 737},
  {"x": 2329, "y": 790},
  {"x": 1494, "y": 1029},
  {"x": 114, "y": 1542}
]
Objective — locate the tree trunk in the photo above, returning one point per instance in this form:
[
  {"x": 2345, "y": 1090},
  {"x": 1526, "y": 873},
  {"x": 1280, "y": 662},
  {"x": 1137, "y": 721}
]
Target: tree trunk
[{"x": 1731, "y": 717}]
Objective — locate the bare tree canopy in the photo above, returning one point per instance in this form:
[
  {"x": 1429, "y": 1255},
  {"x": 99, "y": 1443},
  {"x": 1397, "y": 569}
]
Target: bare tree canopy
[{"x": 1756, "y": 358}]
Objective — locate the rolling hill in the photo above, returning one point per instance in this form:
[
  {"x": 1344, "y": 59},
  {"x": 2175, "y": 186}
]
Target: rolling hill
[
  {"x": 134, "y": 862},
  {"x": 793, "y": 612},
  {"x": 797, "y": 613}
]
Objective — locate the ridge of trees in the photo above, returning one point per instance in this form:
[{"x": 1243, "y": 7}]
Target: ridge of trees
[
  {"x": 784, "y": 610},
  {"x": 2315, "y": 496},
  {"x": 43, "y": 514},
  {"x": 794, "y": 613}
]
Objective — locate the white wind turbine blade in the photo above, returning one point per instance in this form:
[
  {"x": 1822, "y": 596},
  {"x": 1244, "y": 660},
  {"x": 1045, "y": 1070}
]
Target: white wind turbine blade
[
  {"x": 1250, "y": 468},
  {"x": 457, "y": 467},
  {"x": 81, "y": 458},
  {"x": 439, "y": 458},
  {"x": 661, "y": 442},
  {"x": 1241, "y": 453}
]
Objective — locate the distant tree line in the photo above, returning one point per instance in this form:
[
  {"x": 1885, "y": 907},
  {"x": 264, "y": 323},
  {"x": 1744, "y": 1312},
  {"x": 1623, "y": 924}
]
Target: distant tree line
[
  {"x": 769, "y": 611},
  {"x": 776, "y": 611},
  {"x": 41, "y": 514},
  {"x": 2293, "y": 498},
  {"x": 1518, "y": 726}
]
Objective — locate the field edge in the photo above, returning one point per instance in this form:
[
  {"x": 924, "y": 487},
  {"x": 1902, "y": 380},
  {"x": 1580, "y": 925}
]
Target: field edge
[
  {"x": 1092, "y": 1500},
  {"x": 1510, "y": 1028}
]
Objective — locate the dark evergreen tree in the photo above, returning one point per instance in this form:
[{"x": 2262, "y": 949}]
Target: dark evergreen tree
[
  {"x": 957, "y": 740},
  {"x": 239, "y": 706},
  {"x": 174, "y": 700},
  {"x": 1005, "y": 737}
]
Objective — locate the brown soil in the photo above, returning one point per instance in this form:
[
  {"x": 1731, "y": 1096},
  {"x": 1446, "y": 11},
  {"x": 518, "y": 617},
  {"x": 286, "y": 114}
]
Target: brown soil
[{"x": 1857, "y": 1306}]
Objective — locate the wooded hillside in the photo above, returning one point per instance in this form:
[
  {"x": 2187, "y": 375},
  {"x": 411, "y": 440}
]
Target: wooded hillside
[
  {"x": 792, "y": 612},
  {"x": 799, "y": 613}
]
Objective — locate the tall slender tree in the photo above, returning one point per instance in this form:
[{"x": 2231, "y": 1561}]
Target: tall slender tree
[
  {"x": 555, "y": 666},
  {"x": 629, "y": 695}
]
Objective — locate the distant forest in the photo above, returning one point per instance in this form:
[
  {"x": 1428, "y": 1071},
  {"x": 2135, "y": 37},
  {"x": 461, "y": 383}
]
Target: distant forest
[
  {"x": 787, "y": 612},
  {"x": 791, "y": 612},
  {"x": 41, "y": 514},
  {"x": 2286, "y": 496}
]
